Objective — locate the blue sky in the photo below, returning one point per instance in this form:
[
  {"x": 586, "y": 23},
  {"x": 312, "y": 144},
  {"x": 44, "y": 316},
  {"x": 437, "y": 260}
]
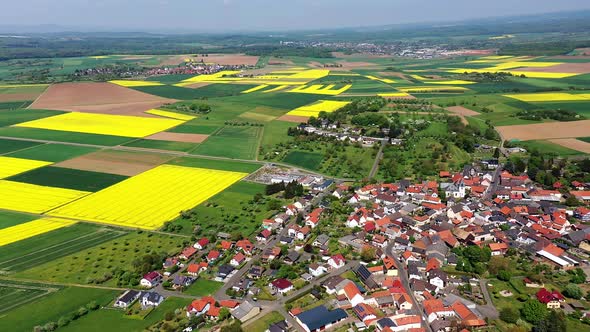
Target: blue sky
[{"x": 232, "y": 15}]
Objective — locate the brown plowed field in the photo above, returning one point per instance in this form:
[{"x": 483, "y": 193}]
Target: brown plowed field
[
  {"x": 572, "y": 143},
  {"x": 293, "y": 118},
  {"x": 178, "y": 137},
  {"x": 460, "y": 110},
  {"x": 116, "y": 162},
  {"x": 541, "y": 131},
  {"x": 579, "y": 68},
  {"x": 104, "y": 98}
]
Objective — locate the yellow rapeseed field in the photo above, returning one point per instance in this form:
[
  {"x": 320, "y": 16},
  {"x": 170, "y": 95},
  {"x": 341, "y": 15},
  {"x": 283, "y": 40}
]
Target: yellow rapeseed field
[
  {"x": 150, "y": 199},
  {"x": 384, "y": 80},
  {"x": 393, "y": 94},
  {"x": 103, "y": 124},
  {"x": 277, "y": 88},
  {"x": 256, "y": 88},
  {"x": 512, "y": 67},
  {"x": 13, "y": 166},
  {"x": 449, "y": 82},
  {"x": 321, "y": 106},
  {"x": 171, "y": 115},
  {"x": 416, "y": 89},
  {"x": 296, "y": 77},
  {"x": 550, "y": 96},
  {"x": 132, "y": 84},
  {"x": 24, "y": 197},
  {"x": 31, "y": 228},
  {"x": 320, "y": 89}
]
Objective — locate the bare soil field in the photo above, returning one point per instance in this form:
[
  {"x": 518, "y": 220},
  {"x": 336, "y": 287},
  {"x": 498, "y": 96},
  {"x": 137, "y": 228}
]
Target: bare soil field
[
  {"x": 580, "y": 68},
  {"x": 18, "y": 96},
  {"x": 228, "y": 59},
  {"x": 460, "y": 110},
  {"x": 572, "y": 143},
  {"x": 178, "y": 137},
  {"x": 293, "y": 118},
  {"x": 540, "y": 131},
  {"x": 116, "y": 162},
  {"x": 104, "y": 98}
]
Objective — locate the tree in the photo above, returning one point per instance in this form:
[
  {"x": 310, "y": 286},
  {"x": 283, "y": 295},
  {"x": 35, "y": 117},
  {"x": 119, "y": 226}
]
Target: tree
[
  {"x": 224, "y": 314},
  {"x": 368, "y": 254},
  {"x": 509, "y": 315},
  {"x": 504, "y": 275},
  {"x": 235, "y": 326},
  {"x": 554, "y": 322},
  {"x": 573, "y": 291},
  {"x": 533, "y": 311}
]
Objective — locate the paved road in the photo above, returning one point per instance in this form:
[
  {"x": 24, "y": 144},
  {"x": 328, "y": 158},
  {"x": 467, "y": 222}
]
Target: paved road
[
  {"x": 406, "y": 283},
  {"x": 377, "y": 161},
  {"x": 489, "y": 310}
]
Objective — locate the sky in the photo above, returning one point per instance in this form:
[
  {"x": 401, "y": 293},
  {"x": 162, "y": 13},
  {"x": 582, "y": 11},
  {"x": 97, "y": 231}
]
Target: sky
[{"x": 265, "y": 15}]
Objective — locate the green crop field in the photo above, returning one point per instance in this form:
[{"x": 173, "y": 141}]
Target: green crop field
[
  {"x": 53, "y": 152},
  {"x": 85, "y": 266},
  {"x": 63, "y": 136},
  {"x": 162, "y": 145},
  {"x": 13, "y": 105},
  {"x": 287, "y": 101},
  {"x": 11, "y": 117},
  {"x": 275, "y": 132},
  {"x": 14, "y": 294},
  {"x": 46, "y": 247},
  {"x": 231, "y": 142},
  {"x": 68, "y": 178},
  {"x": 10, "y": 145},
  {"x": 230, "y": 211},
  {"x": 208, "y": 91},
  {"x": 197, "y": 126},
  {"x": 8, "y": 219},
  {"x": 309, "y": 160},
  {"x": 51, "y": 307},
  {"x": 222, "y": 165},
  {"x": 548, "y": 147},
  {"x": 116, "y": 321}
]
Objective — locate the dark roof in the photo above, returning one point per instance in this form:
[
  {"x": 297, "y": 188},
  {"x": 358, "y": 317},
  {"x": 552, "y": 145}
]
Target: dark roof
[
  {"x": 225, "y": 269},
  {"x": 366, "y": 276},
  {"x": 152, "y": 296},
  {"x": 319, "y": 317},
  {"x": 129, "y": 296},
  {"x": 279, "y": 327},
  {"x": 383, "y": 322}
]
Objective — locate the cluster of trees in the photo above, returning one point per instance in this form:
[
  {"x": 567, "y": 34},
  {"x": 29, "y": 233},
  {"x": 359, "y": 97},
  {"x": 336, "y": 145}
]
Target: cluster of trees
[
  {"x": 243, "y": 124},
  {"x": 557, "y": 115},
  {"x": 472, "y": 259},
  {"x": 68, "y": 318},
  {"x": 291, "y": 189}
]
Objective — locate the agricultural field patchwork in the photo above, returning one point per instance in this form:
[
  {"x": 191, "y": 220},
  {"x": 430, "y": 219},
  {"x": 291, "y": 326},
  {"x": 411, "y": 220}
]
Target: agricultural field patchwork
[
  {"x": 327, "y": 106},
  {"x": 13, "y": 166},
  {"x": 150, "y": 199}
]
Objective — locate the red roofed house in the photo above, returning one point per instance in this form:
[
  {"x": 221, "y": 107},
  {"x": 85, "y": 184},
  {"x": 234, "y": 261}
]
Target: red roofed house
[
  {"x": 246, "y": 246},
  {"x": 213, "y": 256},
  {"x": 238, "y": 259},
  {"x": 364, "y": 312},
  {"x": 582, "y": 195},
  {"x": 498, "y": 249},
  {"x": 264, "y": 235},
  {"x": 187, "y": 253},
  {"x": 151, "y": 279},
  {"x": 193, "y": 269},
  {"x": 202, "y": 243},
  {"x": 226, "y": 245},
  {"x": 353, "y": 294},
  {"x": 407, "y": 323},
  {"x": 313, "y": 218},
  {"x": 200, "y": 307},
  {"x": 551, "y": 299},
  {"x": 336, "y": 261},
  {"x": 282, "y": 285}
]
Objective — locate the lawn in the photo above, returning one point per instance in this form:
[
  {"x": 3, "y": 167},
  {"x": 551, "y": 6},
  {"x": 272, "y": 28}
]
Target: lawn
[
  {"x": 87, "y": 265},
  {"x": 115, "y": 320},
  {"x": 203, "y": 287},
  {"x": 53, "y": 152},
  {"x": 230, "y": 211},
  {"x": 222, "y": 165},
  {"x": 275, "y": 132},
  {"x": 162, "y": 145},
  {"x": 63, "y": 136},
  {"x": 68, "y": 178},
  {"x": 308, "y": 160},
  {"x": 52, "y": 245},
  {"x": 51, "y": 307},
  {"x": 8, "y": 219},
  {"x": 262, "y": 323},
  {"x": 236, "y": 142}
]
